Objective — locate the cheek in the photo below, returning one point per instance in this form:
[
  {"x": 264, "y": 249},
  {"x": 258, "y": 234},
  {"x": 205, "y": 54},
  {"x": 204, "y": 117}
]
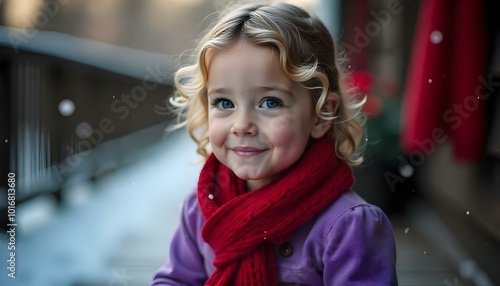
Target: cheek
[
  {"x": 291, "y": 132},
  {"x": 284, "y": 123},
  {"x": 277, "y": 126},
  {"x": 217, "y": 132},
  {"x": 283, "y": 131}
]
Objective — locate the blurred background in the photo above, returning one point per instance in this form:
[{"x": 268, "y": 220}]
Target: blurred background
[{"x": 99, "y": 184}]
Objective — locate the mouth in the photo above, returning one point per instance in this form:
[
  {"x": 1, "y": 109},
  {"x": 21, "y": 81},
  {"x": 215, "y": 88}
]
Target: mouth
[{"x": 245, "y": 152}]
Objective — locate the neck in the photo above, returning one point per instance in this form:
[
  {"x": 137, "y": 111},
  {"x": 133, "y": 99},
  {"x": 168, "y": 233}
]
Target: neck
[{"x": 252, "y": 185}]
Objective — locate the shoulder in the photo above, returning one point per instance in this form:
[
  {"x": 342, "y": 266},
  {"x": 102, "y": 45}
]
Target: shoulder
[
  {"x": 191, "y": 208},
  {"x": 351, "y": 219},
  {"x": 192, "y": 218},
  {"x": 344, "y": 203},
  {"x": 191, "y": 204},
  {"x": 350, "y": 209}
]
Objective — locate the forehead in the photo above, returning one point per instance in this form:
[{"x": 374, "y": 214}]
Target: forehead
[
  {"x": 244, "y": 61},
  {"x": 239, "y": 50}
]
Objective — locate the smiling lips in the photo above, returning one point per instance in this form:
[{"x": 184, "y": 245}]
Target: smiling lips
[{"x": 247, "y": 151}]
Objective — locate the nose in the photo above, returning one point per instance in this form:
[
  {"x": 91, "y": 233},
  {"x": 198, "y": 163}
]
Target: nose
[{"x": 243, "y": 125}]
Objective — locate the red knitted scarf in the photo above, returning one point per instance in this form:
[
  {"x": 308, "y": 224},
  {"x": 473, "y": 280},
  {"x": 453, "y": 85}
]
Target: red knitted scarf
[{"x": 241, "y": 226}]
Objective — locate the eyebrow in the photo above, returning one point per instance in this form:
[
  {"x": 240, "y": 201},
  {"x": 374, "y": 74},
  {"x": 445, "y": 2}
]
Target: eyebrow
[
  {"x": 274, "y": 87},
  {"x": 225, "y": 90},
  {"x": 219, "y": 90}
]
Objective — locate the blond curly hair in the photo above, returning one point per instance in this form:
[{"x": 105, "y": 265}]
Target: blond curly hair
[{"x": 307, "y": 55}]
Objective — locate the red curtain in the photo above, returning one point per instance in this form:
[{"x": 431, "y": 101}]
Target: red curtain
[{"x": 448, "y": 58}]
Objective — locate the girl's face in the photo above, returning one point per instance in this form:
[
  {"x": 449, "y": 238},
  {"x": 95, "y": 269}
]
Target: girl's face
[{"x": 259, "y": 120}]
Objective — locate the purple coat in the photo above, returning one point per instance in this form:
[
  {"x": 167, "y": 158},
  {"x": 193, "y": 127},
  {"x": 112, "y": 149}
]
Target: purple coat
[{"x": 349, "y": 243}]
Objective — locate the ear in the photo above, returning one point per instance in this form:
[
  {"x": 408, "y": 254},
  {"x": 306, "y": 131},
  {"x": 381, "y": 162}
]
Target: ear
[{"x": 322, "y": 126}]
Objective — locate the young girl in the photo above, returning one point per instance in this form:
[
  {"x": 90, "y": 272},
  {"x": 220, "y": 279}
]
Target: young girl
[{"x": 273, "y": 206}]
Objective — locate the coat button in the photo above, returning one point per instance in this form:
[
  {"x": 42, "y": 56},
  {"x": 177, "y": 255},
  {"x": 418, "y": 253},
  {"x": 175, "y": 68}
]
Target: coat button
[{"x": 286, "y": 249}]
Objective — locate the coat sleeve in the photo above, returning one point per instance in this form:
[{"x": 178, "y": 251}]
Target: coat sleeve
[
  {"x": 360, "y": 249},
  {"x": 185, "y": 265}
]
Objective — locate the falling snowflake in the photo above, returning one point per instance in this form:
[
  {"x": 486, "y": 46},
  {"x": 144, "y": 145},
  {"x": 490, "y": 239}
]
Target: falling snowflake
[
  {"x": 436, "y": 37},
  {"x": 406, "y": 170},
  {"x": 6, "y": 140},
  {"x": 425, "y": 252},
  {"x": 430, "y": 80},
  {"x": 66, "y": 107},
  {"x": 467, "y": 212},
  {"x": 83, "y": 130},
  {"x": 407, "y": 229}
]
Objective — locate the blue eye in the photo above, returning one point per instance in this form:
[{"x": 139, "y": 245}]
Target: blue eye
[
  {"x": 222, "y": 103},
  {"x": 271, "y": 103}
]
